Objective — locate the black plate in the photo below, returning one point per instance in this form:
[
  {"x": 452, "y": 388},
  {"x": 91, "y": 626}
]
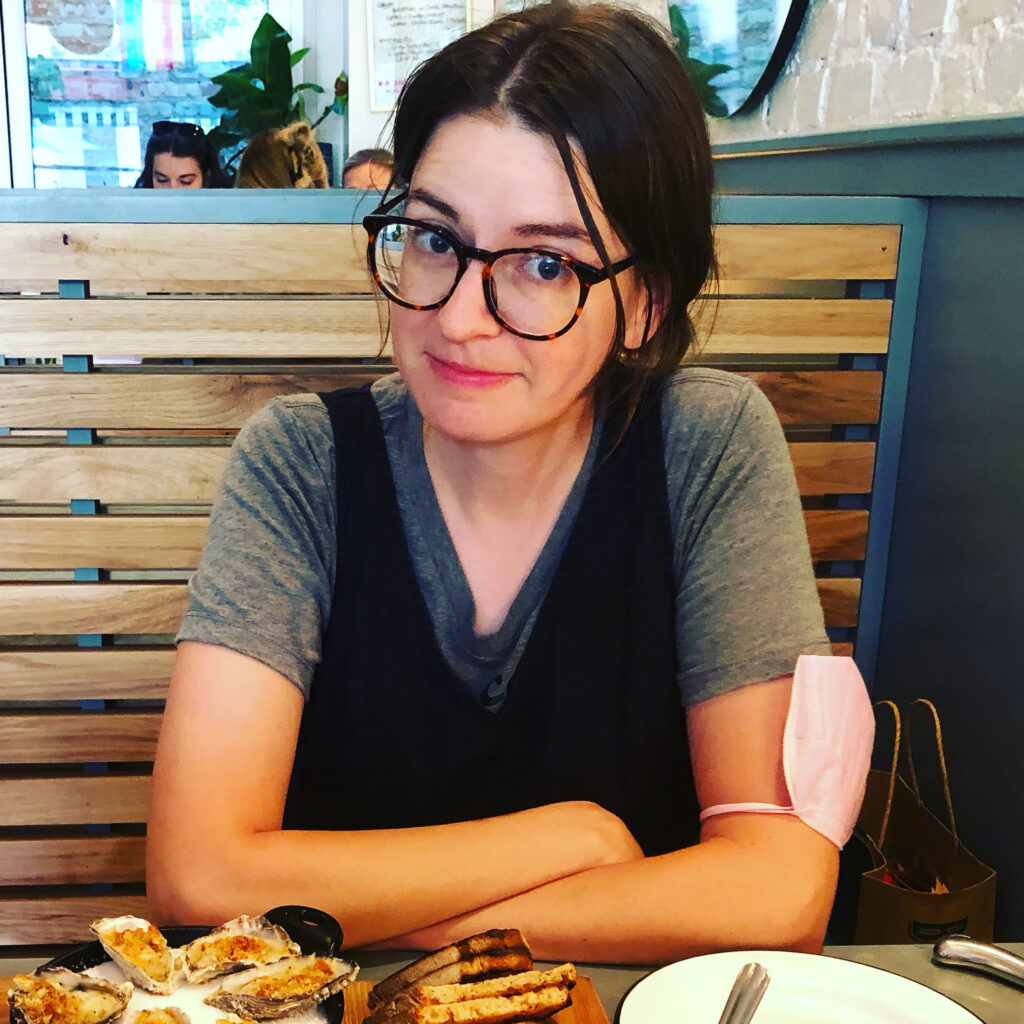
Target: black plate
[{"x": 315, "y": 932}]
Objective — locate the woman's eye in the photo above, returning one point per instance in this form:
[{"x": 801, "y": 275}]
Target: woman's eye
[
  {"x": 429, "y": 241},
  {"x": 545, "y": 268}
]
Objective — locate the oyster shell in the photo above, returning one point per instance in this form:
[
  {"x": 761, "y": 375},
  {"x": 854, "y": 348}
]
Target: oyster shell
[
  {"x": 286, "y": 987},
  {"x": 162, "y": 1015},
  {"x": 139, "y": 949},
  {"x": 56, "y": 994},
  {"x": 238, "y": 944}
]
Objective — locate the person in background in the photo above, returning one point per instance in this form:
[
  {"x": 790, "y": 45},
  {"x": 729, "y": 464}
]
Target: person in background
[
  {"x": 179, "y": 155},
  {"x": 283, "y": 158},
  {"x": 368, "y": 168}
]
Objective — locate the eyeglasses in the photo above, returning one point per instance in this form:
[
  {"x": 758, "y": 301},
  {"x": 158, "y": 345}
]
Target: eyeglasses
[
  {"x": 534, "y": 293},
  {"x": 177, "y": 127}
]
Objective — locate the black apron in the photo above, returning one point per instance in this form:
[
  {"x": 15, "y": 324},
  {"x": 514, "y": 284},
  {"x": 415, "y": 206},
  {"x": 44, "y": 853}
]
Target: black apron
[{"x": 390, "y": 738}]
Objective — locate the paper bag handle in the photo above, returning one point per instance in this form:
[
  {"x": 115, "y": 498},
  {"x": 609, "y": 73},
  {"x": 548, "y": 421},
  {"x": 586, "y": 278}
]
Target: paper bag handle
[
  {"x": 892, "y": 769},
  {"x": 942, "y": 766}
]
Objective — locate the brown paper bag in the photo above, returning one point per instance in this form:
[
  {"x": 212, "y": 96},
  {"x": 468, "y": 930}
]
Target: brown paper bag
[{"x": 930, "y": 884}]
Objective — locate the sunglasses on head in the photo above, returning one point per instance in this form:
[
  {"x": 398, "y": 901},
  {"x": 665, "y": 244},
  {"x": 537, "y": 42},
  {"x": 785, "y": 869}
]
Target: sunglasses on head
[{"x": 177, "y": 127}]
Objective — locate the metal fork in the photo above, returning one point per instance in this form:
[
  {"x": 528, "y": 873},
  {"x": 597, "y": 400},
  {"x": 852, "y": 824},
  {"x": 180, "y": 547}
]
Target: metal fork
[{"x": 745, "y": 995}]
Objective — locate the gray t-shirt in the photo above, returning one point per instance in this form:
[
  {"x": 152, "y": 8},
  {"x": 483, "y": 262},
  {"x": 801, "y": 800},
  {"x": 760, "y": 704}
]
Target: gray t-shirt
[{"x": 746, "y": 604}]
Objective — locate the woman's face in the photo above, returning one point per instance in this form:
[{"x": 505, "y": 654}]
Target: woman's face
[
  {"x": 171, "y": 171},
  {"x": 495, "y": 185}
]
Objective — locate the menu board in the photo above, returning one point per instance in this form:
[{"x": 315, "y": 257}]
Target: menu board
[{"x": 402, "y": 34}]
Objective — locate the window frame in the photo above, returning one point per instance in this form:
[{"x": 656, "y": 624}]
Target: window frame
[{"x": 17, "y": 168}]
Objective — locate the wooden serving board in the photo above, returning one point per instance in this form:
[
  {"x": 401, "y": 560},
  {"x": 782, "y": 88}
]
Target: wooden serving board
[{"x": 586, "y": 1007}]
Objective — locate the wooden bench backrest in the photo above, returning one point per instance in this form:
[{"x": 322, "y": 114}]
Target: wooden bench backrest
[{"x": 106, "y": 475}]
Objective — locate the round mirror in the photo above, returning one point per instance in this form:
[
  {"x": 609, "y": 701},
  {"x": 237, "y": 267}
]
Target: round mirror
[{"x": 734, "y": 48}]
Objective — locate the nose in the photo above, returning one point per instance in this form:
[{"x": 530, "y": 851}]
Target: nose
[{"x": 465, "y": 315}]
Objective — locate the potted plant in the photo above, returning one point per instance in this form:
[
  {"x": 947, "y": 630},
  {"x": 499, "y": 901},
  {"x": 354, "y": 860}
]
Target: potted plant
[
  {"x": 700, "y": 72},
  {"x": 259, "y": 95}
]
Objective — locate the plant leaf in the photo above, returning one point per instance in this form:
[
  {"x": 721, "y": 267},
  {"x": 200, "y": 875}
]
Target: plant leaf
[
  {"x": 309, "y": 85},
  {"x": 680, "y": 30},
  {"x": 268, "y": 33},
  {"x": 299, "y": 54}
]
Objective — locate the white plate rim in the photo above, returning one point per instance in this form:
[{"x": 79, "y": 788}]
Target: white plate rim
[{"x": 784, "y": 961}]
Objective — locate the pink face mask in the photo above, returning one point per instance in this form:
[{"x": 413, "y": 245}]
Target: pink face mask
[{"x": 826, "y": 748}]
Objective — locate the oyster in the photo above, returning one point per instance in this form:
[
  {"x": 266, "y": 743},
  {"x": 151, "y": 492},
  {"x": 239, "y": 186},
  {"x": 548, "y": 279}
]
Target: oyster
[
  {"x": 139, "y": 949},
  {"x": 162, "y": 1015},
  {"x": 283, "y": 988},
  {"x": 58, "y": 996},
  {"x": 243, "y": 942}
]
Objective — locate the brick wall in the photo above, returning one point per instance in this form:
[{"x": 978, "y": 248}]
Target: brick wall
[{"x": 865, "y": 63}]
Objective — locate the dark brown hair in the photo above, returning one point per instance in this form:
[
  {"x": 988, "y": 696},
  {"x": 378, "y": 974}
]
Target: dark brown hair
[
  {"x": 602, "y": 80},
  {"x": 180, "y": 138}
]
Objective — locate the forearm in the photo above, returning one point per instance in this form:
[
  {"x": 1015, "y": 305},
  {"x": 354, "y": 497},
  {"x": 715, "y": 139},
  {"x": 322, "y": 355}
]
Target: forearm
[
  {"x": 378, "y": 883},
  {"x": 763, "y": 884}
]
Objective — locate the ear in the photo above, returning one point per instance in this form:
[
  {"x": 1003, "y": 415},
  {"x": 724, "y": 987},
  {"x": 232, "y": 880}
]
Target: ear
[{"x": 650, "y": 299}]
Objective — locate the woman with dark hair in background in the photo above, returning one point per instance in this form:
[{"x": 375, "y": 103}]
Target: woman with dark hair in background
[
  {"x": 508, "y": 638},
  {"x": 179, "y": 155}
]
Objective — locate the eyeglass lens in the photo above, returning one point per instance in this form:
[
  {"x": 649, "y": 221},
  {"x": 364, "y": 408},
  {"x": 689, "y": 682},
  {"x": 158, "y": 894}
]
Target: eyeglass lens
[{"x": 533, "y": 292}]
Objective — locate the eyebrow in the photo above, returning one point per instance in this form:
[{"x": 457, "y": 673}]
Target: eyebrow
[{"x": 565, "y": 229}]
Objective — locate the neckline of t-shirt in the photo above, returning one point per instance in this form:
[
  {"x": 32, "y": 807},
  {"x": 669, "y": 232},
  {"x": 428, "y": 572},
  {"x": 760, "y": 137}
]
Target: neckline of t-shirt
[{"x": 413, "y": 477}]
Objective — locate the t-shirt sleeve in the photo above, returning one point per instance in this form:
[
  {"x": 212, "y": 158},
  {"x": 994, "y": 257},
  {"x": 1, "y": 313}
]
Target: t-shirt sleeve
[
  {"x": 746, "y": 601},
  {"x": 265, "y": 580}
]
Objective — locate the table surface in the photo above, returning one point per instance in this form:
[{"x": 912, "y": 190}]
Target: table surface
[{"x": 992, "y": 1001}]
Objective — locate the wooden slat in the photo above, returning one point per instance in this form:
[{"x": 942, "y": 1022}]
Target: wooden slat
[
  {"x": 219, "y": 401},
  {"x": 843, "y": 650},
  {"x": 800, "y": 327},
  {"x": 840, "y": 600},
  {"x": 833, "y": 467},
  {"x": 823, "y": 396},
  {"x": 154, "y": 542},
  {"x": 27, "y": 608},
  {"x": 133, "y": 474},
  {"x": 168, "y": 328},
  {"x": 77, "y": 737},
  {"x": 813, "y": 252},
  {"x": 250, "y": 255},
  {"x": 147, "y": 400},
  {"x": 50, "y": 921},
  {"x": 351, "y": 328},
  {"x": 72, "y": 861},
  {"x": 111, "y": 474},
  {"x": 837, "y": 534},
  {"x": 178, "y": 255},
  {"x": 83, "y": 800},
  {"x": 103, "y": 542},
  {"x": 102, "y": 674}
]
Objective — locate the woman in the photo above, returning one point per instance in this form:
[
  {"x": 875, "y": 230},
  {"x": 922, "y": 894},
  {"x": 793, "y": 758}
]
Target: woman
[
  {"x": 179, "y": 155},
  {"x": 474, "y": 647},
  {"x": 368, "y": 168}
]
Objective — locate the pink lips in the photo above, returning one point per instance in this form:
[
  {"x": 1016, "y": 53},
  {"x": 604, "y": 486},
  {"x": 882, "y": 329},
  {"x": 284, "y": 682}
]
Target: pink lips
[{"x": 466, "y": 376}]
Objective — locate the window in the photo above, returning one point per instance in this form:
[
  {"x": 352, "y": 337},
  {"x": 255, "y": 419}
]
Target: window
[{"x": 100, "y": 72}]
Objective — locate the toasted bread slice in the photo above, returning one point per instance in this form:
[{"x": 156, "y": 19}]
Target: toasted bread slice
[
  {"x": 494, "y": 952},
  {"x": 531, "y": 1005},
  {"x": 511, "y": 984}
]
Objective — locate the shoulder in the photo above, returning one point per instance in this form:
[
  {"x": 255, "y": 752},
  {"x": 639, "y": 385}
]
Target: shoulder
[
  {"x": 288, "y": 442},
  {"x": 705, "y": 411},
  {"x": 287, "y": 418}
]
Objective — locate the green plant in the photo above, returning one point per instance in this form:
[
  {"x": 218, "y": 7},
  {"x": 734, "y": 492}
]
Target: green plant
[
  {"x": 700, "y": 72},
  {"x": 260, "y": 95}
]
